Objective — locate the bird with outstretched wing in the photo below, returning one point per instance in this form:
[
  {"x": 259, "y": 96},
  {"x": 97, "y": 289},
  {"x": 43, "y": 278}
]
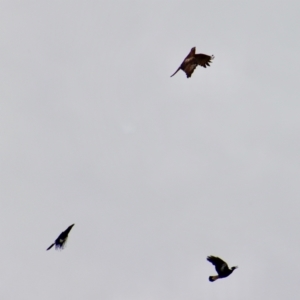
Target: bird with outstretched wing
[
  {"x": 193, "y": 60},
  {"x": 221, "y": 267}
]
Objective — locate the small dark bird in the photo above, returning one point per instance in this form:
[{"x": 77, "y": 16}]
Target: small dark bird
[
  {"x": 62, "y": 239},
  {"x": 191, "y": 62},
  {"x": 221, "y": 268}
]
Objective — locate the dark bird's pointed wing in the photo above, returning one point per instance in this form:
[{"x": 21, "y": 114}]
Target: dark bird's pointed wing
[
  {"x": 66, "y": 232},
  {"x": 176, "y": 71},
  {"x": 220, "y": 264},
  {"x": 192, "y": 53},
  {"x": 203, "y": 60},
  {"x": 50, "y": 247}
]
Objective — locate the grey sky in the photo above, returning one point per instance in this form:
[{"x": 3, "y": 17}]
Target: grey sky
[{"x": 155, "y": 172}]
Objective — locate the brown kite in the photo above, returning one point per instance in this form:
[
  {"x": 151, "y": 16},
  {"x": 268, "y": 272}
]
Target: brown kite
[{"x": 191, "y": 62}]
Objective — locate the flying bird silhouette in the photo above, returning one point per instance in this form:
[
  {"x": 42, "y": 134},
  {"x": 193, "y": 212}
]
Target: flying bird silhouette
[
  {"x": 221, "y": 268},
  {"x": 62, "y": 239},
  {"x": 191, "y": 62}
]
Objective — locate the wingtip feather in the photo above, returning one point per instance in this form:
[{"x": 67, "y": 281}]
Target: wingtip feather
[{"x": 50, "y": 247}]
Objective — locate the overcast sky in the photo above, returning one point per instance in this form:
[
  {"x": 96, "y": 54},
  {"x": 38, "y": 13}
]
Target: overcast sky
[{"x": 155, "y": 172}]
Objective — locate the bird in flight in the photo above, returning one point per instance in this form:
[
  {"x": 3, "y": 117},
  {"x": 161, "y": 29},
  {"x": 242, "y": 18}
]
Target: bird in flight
[
  {"x": 62, "y": 239},
  {"x": 191, "y": 62},
  {"x": 221, "y": 267}
]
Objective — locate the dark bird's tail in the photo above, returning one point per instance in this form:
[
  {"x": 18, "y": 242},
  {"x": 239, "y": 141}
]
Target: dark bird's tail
[
  {"x": 213, "y": 278},
  {"x": 50, "y": 247},
  {"x": 176, "y": 71}
]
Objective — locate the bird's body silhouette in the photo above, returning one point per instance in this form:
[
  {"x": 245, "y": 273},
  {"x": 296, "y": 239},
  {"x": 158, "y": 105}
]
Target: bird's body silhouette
[
  {"x": 221, "y": 267},
  {"x": 193, "y": 60},
  {"x": 62, "y": 239}
]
